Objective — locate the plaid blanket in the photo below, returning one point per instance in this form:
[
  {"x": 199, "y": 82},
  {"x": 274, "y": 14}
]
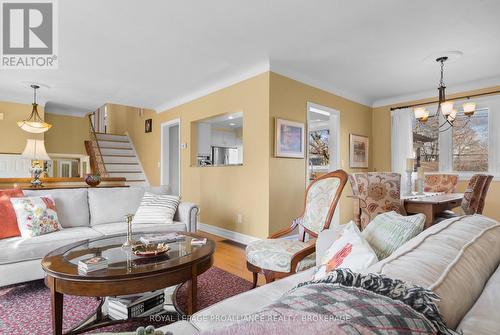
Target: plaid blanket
[{"x": 347, "y": 303}]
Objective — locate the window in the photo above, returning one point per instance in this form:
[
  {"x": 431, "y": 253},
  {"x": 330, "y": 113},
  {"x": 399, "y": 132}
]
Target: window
[
  {"x": 426, "y": 144},
  {"x": 323, "y": 125},
  {"x": 472, "y": 146},
  {"x": 319, "y": 154}
]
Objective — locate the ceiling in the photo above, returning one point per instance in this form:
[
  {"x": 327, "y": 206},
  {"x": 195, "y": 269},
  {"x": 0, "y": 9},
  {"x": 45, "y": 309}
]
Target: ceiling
[
  {"x": 157, "y": 54},
  {"x": 229, "y": 121}
]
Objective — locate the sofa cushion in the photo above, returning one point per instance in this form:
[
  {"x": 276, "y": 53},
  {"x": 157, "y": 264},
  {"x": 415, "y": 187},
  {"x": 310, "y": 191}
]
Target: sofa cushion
[
  {"x": 121, "y": 227},
  {"x": 483, "y": 318},
  {"x": 72, "y": 205},
  {"x": 349, "y": 251},
  {"x": 36, "y": 215},
  {"x": 17, "y": 249},
  {"x": 8, "y": 224},
  {"x": 388, "y": 231},
  {"x": 231, "y": 310},
  {"x": 327, "y": 237},
  {"x": 454, "y": 258},
  {"x": 109, "y": 205},
  {"x": 181, "y": 327},
  {"x": 156, "y": 208}
]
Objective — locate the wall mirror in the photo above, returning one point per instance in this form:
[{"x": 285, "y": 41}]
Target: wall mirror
[{"x": 219, "y": 140}]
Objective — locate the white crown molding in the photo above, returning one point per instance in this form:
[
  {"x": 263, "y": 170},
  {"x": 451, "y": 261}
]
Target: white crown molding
[
  {"x": 322, "y": 85},
  {"x": 228, "y": 234},
  {"x": 452, "y": 89},
  {"x": 247, "y": 73}
]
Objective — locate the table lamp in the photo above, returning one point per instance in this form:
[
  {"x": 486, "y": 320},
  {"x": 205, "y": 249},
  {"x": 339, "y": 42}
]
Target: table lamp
[{"x": 35, "y": 151}]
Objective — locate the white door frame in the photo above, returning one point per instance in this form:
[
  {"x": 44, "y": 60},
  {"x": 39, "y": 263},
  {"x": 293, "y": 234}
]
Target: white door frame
[
  {"x": 164, "y": 177},
  {"x": 334, "y": 143}
]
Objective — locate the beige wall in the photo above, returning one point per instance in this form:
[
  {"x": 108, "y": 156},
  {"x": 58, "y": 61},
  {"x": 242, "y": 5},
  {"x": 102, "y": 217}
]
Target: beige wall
[
  {"x": 268, "y": 191},
  {"x": 67, "y": 134},
  {"x": 288, "y": 100},
  {"x": 12, "y": 138},
  {"x": 381, "y": 120},
  {"x": 118, "y": 117},
  {"x": 221, "y": 192}
]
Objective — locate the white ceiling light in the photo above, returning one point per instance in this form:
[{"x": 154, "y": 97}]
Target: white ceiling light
[
  {"x": 445, "y": 107},
  {"x": 34, "y": 123}
]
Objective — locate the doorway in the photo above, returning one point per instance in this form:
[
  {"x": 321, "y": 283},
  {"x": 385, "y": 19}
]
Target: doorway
[
  {"x": 323, "y": 143},
  {"x": 170, "y": 155}
]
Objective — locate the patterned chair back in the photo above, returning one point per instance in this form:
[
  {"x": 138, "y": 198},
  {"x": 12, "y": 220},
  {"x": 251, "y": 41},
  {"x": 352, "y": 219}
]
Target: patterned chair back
[
  {"x": 475, "y": 194},
  {"x": 446, "y": 183},
  {"x": 377, "y": 192},
  {"x": 321, "y": 199}
]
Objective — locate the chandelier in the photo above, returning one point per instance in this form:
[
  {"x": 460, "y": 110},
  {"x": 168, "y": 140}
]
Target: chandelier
[
  {"x": 34, "y": 123},
  {"x": 446, "y": 108}
]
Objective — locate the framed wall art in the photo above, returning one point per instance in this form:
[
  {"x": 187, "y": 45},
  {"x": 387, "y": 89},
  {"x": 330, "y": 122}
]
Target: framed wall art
[
  {"x": 289, "y": 139},
  {"x": 358, "y": 151}
]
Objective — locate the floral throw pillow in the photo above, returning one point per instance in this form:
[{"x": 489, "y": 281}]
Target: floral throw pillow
[
  {"x": 350, "y": 251},
  {"x": 36, "y": 215}
]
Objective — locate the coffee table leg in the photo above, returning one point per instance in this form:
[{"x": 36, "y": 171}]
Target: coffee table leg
[
  {"x": 56, "y": 302},
  {"x": 192, "y": 294}
]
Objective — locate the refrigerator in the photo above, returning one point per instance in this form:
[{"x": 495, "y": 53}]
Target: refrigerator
[{"x": 224, "y": 156}]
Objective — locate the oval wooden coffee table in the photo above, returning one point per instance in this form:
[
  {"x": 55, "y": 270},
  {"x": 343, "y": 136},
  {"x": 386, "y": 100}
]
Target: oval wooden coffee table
[{"x": 125, "y": 274}]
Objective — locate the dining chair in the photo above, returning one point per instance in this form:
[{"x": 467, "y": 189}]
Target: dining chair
[
  {"x": 440, "y": 182},
  {"x": 375, "y": 193},
  {"x": 474, "y": 197},
  {"x": 276, "y": 257}
]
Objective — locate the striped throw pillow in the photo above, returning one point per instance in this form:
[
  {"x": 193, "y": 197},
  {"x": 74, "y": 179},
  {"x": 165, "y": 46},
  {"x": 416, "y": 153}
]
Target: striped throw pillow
[
  {"x": 155, "y": 208},
  {"x": 388, "y": 231}
]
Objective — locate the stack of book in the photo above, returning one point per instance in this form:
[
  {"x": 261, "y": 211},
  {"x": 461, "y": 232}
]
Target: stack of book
[
  {"x": 92, "y": 264},
  {"x": 135, "y": 305},
  {"x": 161, "y": 238},
  {"x": 198, "y": 241}
]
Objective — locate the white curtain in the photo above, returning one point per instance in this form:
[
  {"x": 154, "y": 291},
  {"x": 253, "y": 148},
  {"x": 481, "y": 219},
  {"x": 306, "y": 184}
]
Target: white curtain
[{"x": 401, "y": 142}]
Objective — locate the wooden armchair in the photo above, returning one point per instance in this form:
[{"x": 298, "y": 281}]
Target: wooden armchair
[
  {"x": 277, "y": 258},
  {"x": 375, "y": 193}
]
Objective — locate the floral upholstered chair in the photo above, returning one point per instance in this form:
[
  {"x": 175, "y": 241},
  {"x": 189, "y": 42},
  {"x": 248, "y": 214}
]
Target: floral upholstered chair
[
  {"x": 446, "y": 183},
  {"x": 474, "y": 197},
  {"x": 375, "y": 193},
  {"x": 277, "y": 258}
]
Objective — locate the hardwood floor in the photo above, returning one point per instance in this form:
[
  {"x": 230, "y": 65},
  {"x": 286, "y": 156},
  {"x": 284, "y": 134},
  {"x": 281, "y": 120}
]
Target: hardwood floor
[{"x": 230, "y": 257}]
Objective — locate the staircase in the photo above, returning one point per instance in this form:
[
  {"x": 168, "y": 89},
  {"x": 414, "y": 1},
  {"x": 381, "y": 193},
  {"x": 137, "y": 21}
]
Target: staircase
[{"x": 120, "y": 159}]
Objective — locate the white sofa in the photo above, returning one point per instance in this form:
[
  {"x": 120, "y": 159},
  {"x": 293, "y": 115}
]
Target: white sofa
[
  {"x": 83, "y": 214},
  {"x": 457, "y": 258}
]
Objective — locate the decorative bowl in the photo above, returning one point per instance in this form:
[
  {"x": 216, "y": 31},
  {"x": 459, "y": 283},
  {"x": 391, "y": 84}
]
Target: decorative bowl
[
  {"x": 93, "y": 180},
  {"x": 150, "y": 250}
]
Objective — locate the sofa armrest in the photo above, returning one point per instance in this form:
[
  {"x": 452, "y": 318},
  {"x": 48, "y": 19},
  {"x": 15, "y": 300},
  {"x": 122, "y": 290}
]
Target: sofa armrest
[{"x": 187, "y": 213}]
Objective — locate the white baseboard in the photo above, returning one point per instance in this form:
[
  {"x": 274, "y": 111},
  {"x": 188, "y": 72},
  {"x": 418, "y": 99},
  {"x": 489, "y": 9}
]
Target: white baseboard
[
  {"x": 229, "y": 234},
  {"x": 234, "y": 236}
]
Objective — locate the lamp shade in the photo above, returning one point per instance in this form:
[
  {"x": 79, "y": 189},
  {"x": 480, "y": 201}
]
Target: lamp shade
[
  {"x": 33, "y": 126},
  {"x": 447, "y": 107},
  {"x": 419, "y": 112},
  {"x": 35, "y": 150},
  {"x": 469, "y": 108}
]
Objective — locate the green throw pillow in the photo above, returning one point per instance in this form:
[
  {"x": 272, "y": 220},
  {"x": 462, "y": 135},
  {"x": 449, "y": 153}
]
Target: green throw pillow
[{"x": 388, "y": 231}]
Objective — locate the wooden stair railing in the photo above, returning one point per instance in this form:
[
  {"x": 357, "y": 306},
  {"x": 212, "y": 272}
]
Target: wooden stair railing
[{"x": 94, "y": 151}]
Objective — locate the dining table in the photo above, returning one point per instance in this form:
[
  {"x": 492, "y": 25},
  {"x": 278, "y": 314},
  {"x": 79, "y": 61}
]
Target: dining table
[{"x": 431, "y": 204}]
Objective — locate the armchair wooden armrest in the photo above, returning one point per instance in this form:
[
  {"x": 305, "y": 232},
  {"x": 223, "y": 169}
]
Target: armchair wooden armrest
[
  {"x": 287, "y": 230},
  {"x": 300, "y": 255}
]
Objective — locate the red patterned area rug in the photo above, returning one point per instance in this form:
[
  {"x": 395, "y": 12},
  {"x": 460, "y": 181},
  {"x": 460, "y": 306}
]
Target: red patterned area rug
[{"x": 25, "y": 308}]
